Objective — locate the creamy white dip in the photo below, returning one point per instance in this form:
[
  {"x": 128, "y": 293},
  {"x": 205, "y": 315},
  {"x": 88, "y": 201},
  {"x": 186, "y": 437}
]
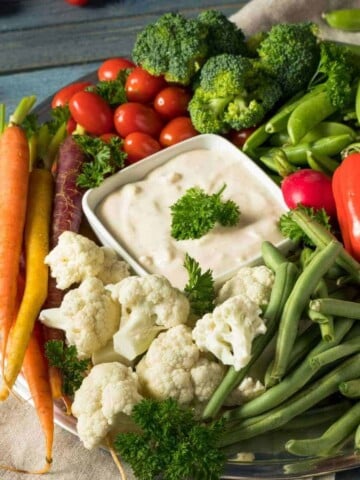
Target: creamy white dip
[{"x": 138, "y": 215}]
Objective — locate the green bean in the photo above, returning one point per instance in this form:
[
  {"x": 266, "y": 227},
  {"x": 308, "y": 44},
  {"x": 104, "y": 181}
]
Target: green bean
[
  {"x": 271, "y": 255},
  {"x": 336, "y": 433},
  {"x": 296, "y": 405},
  {"x": 326, "y": 324},
  {"x": 347, "y": 19},
  {"x": 337, "y": 307},
  {"x": 321, "y": 163},
  {"x": 255, "y": 140},
  {"x": 357, "y": 440},
  {"x": 293, "y": 382},
  {"x": 278, "y": 122},
  {"x": 335, "y": 353},
  {"x": 320, "y": 236},
  {"x": 285, "y": 277},
  {"x": 298, "y": 299},
  {"x": 307, "y": 115},
  {"x": 305, "y": 342},
  {"x": 351, "y": 388},
  {"x": 318, "y": 416}
]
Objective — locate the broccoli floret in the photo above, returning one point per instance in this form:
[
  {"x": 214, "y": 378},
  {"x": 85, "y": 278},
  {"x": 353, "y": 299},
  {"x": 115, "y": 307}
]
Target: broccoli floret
[
  {"x": 234, "y": 93},
  {"x": 207, "y": 112},
  {"x": 172, "y": 46},
  {"x": 337, "y": 69},
  {"x": 290, "y": 53},
  {"x": 223, "y": 35}
]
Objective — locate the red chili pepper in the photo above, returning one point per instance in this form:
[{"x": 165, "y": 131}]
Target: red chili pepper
[{"x": 345, "y": 184}]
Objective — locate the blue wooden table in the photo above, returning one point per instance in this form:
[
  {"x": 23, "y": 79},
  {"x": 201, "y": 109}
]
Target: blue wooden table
[{"x": 45, "y": 45}]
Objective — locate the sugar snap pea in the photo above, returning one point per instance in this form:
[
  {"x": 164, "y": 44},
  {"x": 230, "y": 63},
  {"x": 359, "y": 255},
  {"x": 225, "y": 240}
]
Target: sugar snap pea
[
  {"x": 255, "y": 140},
  {"x": 357, "y": 102},
  {"x": 307, "y": 115},
  {"x": 321, "y": 163},
  {"x": 285, "y": 276},
  {"x": 328, "y": 129},
  {"x": 296, "y": 303},
  {"x": 347, "y": 19}
]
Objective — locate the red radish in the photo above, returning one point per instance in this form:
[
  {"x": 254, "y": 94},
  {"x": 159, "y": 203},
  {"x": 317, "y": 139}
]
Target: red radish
[{"x": 309, "y": 188}]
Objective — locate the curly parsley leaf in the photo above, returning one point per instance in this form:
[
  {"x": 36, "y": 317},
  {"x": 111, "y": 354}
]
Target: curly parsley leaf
[
  {"x": 290, "y": 229},
  {"x": 196, "y": 213},
  {"x": 104, "y": 159},
  {"x": 65, "y": 358},
  {"x": 172, "y": 443},
  {"x": 199, "y": 288},
  {"x": 112, "y": 91}
]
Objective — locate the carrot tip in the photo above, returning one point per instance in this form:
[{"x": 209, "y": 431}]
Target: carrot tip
[{"x": 4, "y": 393}]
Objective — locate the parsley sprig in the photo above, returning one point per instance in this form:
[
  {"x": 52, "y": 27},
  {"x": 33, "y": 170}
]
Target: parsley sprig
[
  {"x": 104, "y": 159},
  {"x": 199, "y": 288},
  {"x": 196, "y": 213},
  {"x": 172, "y": 443},
  {"x": 65, "y": 358}
]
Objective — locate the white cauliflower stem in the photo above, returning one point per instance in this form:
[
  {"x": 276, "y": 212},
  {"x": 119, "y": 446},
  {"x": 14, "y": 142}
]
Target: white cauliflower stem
[
  {"x": 149, "y": 304},
  {"x": 88, "y": 315},
  {"x": 229, "y": 330},
  {"x": 254, "y": 282},
  {"x": 104, "y": 401},
  {"x": 174, "y": 367},
  {"x": 76, "y": 257}
]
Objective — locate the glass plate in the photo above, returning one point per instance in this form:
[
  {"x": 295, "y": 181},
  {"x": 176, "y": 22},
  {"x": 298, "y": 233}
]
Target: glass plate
[{"x": 271, "y": 460}]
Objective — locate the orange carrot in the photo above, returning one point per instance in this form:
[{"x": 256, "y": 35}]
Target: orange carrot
[
  {"x": 14, "y": 179},
  {"x": 35, "y": 369},
  {"x": 36, "y": 241}
]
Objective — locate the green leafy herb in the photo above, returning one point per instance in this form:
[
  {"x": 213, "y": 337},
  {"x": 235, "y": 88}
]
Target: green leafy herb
[
  {"x": 59, "y": 116},
  {"x": 112, "y": 91},
  {"x": 290, "y": 229},
  {"x": 105, "y": 158},
  {"x": 196, "y": 213},
  {"x": 199, "y": 288},
  {"x": 65, "y": 358},
  {"x": 172, "y": 444}
]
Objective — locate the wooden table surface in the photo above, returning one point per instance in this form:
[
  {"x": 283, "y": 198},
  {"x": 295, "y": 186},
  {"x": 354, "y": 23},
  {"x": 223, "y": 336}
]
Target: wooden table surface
[{"x": 47, "y": 44}]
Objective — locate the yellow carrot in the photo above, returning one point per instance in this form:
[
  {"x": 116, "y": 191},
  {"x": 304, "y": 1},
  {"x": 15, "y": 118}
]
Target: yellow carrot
[{"x": 36, "y": 242}]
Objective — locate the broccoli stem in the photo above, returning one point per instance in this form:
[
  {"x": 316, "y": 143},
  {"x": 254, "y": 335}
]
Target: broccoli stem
[{"x": 304, "y": 400}]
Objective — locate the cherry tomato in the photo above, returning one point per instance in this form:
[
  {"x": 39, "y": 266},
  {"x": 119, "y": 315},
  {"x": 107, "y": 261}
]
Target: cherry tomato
[
  {"x": 141, "y": 86},
  {"x": 177, "y": 130},
  {"x": 109, "y": 70},
  {"x": 78, "y": 3},
  {"x": 139, "y": 145},
  {"x": 106, "y": 137},
  {"x": 63, "y": 96},
  {"x": 239, "y": 137},
  {"x": 172, "y": 101},
  {"x": 91, "y": 112},
  {"x": 137, "y": 117}
]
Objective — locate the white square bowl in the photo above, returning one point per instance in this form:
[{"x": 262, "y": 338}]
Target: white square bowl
[{"x": 141, "y": 169}]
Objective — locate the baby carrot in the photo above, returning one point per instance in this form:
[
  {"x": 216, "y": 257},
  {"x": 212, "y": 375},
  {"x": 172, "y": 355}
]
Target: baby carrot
[
  {"x": 14, "y": 179},
  {"x": 35, "y": 369},
  {"x": 36, "y": 240}
]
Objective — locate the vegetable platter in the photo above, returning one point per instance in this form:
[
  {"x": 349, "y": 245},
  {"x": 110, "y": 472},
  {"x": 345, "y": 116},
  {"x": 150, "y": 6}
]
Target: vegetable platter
[{"x": 255, "y": 377}]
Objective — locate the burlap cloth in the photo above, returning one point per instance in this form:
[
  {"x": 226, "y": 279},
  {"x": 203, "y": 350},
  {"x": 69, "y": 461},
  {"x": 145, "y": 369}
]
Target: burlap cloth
[{"x": 21, "y": 439}]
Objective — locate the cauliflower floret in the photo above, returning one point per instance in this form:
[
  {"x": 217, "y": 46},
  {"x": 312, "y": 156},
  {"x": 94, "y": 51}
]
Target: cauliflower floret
[
  {"x": 248, "y": 389},
  {"x": 173, "y": 367},
  {"x": 88, "y": 314},
  {"x": 76, "y": 257},
  {"x": 229, "y": 330},
  {"x": 254, "y": 282},
  {"x": 149, "y": 304},
  {"x": 104, "y": 401}
]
